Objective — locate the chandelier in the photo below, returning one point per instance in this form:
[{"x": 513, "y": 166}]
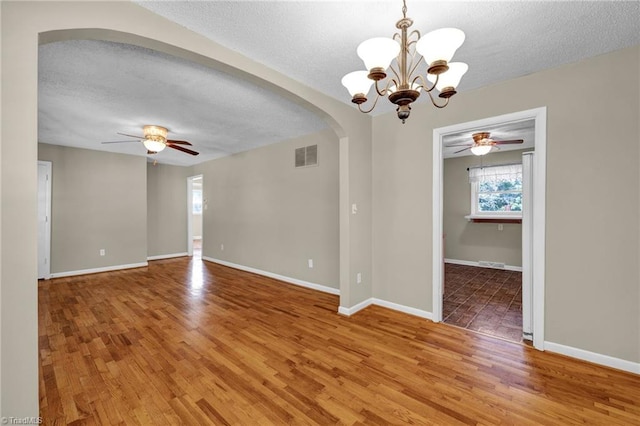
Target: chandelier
[{"x": 405, "y": 84}]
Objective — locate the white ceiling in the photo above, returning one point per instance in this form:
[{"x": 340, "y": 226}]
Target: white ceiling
[{"x": 90, "y": 90}]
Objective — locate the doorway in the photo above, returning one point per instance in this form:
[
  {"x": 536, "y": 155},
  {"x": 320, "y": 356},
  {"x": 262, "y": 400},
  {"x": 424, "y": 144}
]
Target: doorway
[
  {"x": 535, "y": 267},
  {"x": 195, "y": 210}
]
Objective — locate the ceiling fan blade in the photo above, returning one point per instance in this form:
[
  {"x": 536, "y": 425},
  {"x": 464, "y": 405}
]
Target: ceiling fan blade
[
  {"x": 119, "y": 141},
  {"x": 170, "y": 141},
  {"x": 459, "y": 144},
  {"x": 179, "y": 148},
  {"x": 131, "y": 136},
  {"x": 457, "y": 152},
  {"x": 508, "y": 142}
]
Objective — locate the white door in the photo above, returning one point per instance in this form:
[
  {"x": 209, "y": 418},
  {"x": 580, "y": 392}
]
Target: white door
[
  {"x": 44, "y": 219},
  {"x": 527, "y": 245}
]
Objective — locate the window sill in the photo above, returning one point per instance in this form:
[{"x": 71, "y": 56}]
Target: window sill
[{"x": 493, "y": 219}]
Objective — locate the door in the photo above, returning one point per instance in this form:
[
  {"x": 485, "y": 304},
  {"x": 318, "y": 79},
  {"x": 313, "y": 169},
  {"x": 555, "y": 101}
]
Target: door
[{"x": 44, "y": 219}]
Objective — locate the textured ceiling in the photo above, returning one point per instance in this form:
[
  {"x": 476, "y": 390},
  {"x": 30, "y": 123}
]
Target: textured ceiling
[{"x": 91, "y": 90}]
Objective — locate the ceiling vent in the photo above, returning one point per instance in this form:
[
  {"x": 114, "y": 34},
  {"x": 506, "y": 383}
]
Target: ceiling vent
[{"x": 307, "y": 156}]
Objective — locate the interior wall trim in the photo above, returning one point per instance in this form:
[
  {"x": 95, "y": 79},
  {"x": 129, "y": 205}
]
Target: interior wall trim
[
  {"x": 405, "y": 309},
  {"x": 98, "y": 270},
  {"x": 356, "y": 308},
  {"x": 596, "y": 358},
  {"x": 472, "y": 263},
  {"x": 167, "y": 256},
  {"x": 385, "y": 304},
  {"x": 313, "y": 286}
]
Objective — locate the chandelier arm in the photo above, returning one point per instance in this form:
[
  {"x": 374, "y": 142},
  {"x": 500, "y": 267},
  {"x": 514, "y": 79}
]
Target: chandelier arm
[
  {"x": 424, "y": 84},
  {"x": 381, "y": 92},
  {"x": 372, "y": 106},
  {"x": 446, "y": 102}
]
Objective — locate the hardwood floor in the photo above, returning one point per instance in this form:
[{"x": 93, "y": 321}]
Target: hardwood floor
[{"x": 190, "y": 342}]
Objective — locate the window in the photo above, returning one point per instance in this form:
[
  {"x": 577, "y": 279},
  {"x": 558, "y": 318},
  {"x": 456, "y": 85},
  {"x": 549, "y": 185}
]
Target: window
[
  {"x": 197, "y": 201},
  {"x": 496, "y": 191}
]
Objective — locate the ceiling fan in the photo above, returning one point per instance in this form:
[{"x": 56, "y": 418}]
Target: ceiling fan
[
  {"x": 155, "y": 140},
  {"x": 482, "y": 143}
]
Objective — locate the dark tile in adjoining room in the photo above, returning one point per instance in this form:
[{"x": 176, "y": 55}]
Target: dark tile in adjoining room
[{"x": 484, "y": 300}]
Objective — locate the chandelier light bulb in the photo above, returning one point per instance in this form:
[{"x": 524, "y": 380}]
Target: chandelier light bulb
[
  {"x": 440, "y": 45},
  {"x": 481, "y": 149},
  {"x": 378, "y": 52}
]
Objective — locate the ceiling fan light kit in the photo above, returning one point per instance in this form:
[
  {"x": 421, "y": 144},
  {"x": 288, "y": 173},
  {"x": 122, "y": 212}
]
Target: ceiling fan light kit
[
  {"x": 480, "y": 149},
  {"x": 155, "y": 138},
  {"x": 409, "y": 50}
]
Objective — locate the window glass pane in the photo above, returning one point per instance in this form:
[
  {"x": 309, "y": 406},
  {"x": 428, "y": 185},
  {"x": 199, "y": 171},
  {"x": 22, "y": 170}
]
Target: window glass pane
[
  {"x": 500, "y": 202},
  {"x": 501, "y": 185},
  {"x": 197, "y": 201}
]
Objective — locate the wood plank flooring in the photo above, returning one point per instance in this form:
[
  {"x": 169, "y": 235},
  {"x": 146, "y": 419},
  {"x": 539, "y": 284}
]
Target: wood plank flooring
[{"x": 190, "y": 342}]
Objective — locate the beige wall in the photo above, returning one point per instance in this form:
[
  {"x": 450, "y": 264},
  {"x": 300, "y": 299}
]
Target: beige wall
[
  {"x": 592, "y": 248},
  {"x": 167, "y": 209},
  {"x": 272, "y": 216},
  {"x": 98, "y": 201},
  {"x": 470, "y": 241}
]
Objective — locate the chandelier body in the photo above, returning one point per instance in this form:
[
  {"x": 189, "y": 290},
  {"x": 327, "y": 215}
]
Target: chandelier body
[{"x": 405, "y": 84}]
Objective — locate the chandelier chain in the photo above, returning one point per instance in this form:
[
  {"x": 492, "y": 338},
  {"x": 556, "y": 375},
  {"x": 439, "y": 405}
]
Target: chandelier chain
[{"x": 404, "y": 8}]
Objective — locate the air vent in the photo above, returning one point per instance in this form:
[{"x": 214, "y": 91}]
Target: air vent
[{"x": 307, "y": 156}]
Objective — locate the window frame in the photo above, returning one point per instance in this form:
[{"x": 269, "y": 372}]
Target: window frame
[{"x": 475, "y": 201}]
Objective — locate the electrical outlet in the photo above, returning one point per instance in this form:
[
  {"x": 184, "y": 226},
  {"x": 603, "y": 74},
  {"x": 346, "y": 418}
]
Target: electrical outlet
[
  {"x": 500, "y": 227},
  {"x": 102, "y": 252},
  {"x": 221, "y": 247},
  {"x": 310, "y": 263},
  {"x": 359, "y": 278},
  {"x": 354, "y": 209}
]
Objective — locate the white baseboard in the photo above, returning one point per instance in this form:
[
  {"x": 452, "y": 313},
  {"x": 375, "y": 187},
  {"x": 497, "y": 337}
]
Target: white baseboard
[
  {"x": 471, "y": 263},
  {"x": 358, "y": 307},
  {"x": 97, "y": 270},
  {"x": 405, "y": 309},
  {"x": 385, "y": 304},
  {"x": 289, "y": 280},
  {"x": 596, "y": 358},
  {"x": 167, "y": 256}
]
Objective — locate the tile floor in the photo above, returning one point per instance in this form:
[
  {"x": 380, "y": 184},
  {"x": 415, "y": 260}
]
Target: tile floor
[{"x": 484, "y": 300}]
